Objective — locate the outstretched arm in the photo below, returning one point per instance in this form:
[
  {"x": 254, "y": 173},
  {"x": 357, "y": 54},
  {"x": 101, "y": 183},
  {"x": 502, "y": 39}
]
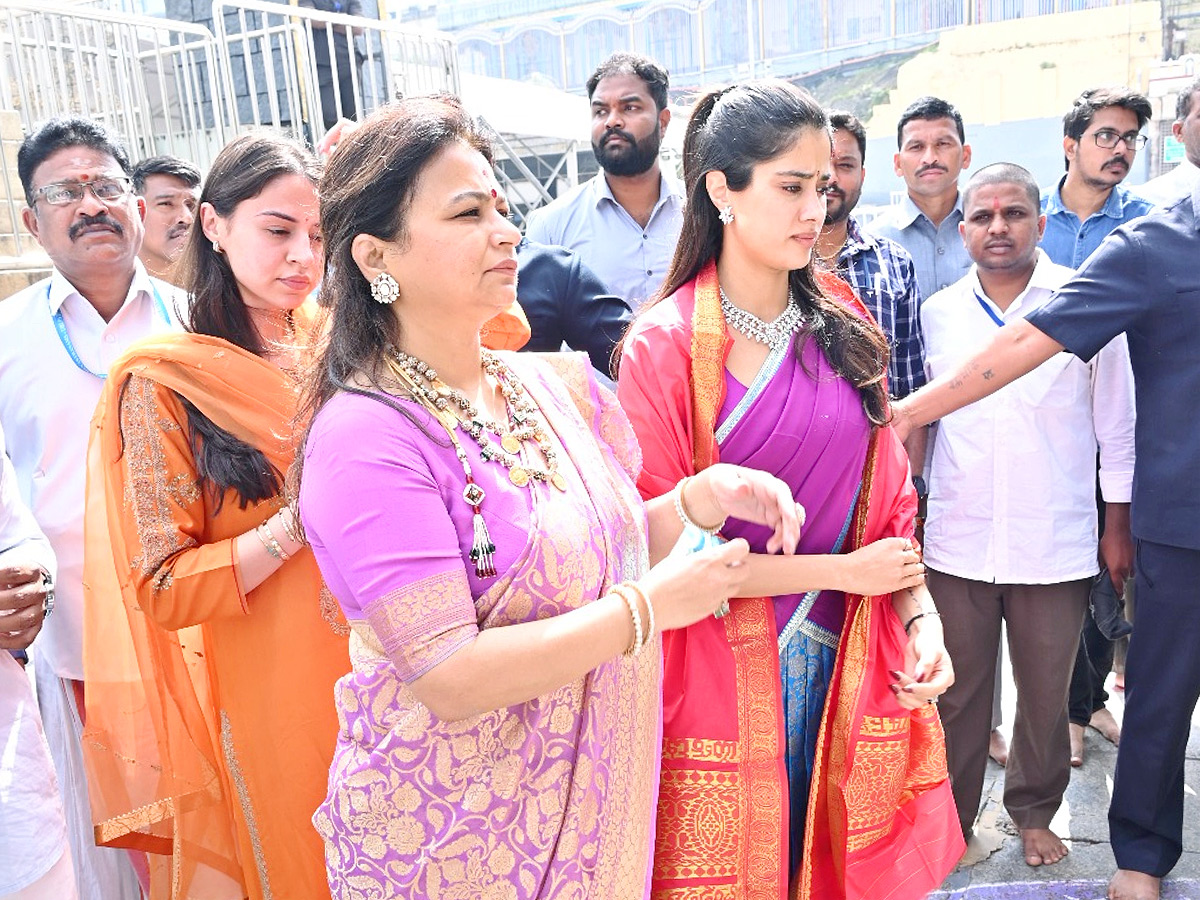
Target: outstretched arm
[{"x": 1017, "y": 348}]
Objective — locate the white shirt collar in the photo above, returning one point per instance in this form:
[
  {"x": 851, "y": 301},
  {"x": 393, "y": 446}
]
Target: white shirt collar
[
  {"x": 1044, "y": 278},
  {"x": 61, "y": 289}
]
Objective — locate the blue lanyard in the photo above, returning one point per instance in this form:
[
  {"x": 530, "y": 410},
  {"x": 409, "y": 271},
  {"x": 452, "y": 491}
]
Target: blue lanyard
[
  {"x": 987, "y": 309},
  {"x": 65, "y": 339}
]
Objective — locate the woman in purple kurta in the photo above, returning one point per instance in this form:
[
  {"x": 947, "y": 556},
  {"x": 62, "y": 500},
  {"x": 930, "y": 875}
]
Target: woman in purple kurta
[{"x": 476, "y": 517}]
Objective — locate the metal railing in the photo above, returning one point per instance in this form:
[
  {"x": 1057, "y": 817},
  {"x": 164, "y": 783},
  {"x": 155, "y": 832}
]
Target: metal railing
[
  {"x": 153, "y": 81},
  {"x": 300, "y": 69}
]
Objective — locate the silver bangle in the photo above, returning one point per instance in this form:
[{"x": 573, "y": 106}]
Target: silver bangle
[
  {"x": 271, "y": 545},
  {"x": 48, "y": 599},
  {"x": 682, "y": 512}
]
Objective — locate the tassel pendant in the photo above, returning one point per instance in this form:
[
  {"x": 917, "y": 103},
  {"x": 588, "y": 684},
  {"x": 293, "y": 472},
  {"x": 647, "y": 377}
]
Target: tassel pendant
[{"x": 482, "y": 549}]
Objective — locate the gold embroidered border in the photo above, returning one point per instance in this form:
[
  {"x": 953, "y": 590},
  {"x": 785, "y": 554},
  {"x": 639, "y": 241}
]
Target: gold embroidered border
[
  {"x": 149, "y": 487},
  {"x": 701, "y": 750},
  {"x": 750, "y": 628},
  {"x": 698, "y": 892},
  {"x": 703, "y": 805},
  {"x": 422, "y": 623},
  {"x": 884, "y": 726},
  {"x": 243, "y": 793},
  {"x": 708, "y": 363}
]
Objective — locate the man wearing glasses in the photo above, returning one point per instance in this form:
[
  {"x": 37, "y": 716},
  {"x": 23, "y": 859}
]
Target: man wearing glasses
[
  {"x": 60, "y": 336},
  {"x": 1101, "y": 136}
]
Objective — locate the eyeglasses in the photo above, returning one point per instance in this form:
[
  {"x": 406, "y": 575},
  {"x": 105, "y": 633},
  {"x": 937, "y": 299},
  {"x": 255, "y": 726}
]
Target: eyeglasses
[
  {"x": 1107, "y": 138},
  {"x": 63, "y": 192}
]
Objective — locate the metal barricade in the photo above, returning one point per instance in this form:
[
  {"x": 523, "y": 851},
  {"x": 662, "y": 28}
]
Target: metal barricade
[
  {"x": 153, "y": 81},
  {"x": 301, "y": 69}
]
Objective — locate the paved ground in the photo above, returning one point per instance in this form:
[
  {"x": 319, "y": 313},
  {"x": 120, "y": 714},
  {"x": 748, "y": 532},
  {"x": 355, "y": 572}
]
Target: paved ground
[{"x": 1084, "y": 874}]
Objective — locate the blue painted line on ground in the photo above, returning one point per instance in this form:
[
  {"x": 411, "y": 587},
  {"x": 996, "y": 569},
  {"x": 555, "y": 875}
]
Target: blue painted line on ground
[{"x": 1172, "y": 889}]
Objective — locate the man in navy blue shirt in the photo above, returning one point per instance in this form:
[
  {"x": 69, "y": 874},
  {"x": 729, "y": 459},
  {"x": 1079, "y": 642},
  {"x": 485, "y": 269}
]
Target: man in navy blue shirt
[
  {"x": 567, "y": 303},
  {"x": 1143, "y": 281}
]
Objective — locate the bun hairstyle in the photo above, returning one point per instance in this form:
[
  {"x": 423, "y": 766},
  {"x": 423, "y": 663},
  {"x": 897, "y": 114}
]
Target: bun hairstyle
[{"x": 732, "y": 131}]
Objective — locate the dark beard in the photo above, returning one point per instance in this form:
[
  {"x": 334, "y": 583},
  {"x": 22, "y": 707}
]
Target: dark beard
[{"x": 635, "y": 159}]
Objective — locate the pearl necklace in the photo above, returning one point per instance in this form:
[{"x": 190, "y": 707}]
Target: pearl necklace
[{"x": 776, "y": 333}]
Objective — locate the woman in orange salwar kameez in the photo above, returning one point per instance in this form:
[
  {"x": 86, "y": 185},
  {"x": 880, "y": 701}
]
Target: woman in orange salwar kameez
[
  {"x": 211, "y": 649},
  {"x": 802, "y": 753}
]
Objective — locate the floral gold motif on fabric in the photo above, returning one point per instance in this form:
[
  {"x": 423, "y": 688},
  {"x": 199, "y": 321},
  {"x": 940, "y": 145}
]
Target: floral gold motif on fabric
[
  {"x": 708, "y": 363},
  {"x": 705, "y": 809},
  {"x": 151, "y": 490},
  {"x": 545, "y": 799},
  {"x": 423, "y": 623}
]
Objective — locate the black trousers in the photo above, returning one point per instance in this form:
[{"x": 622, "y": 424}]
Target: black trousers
[
  {"x": 345, "y": 57},
  {"x": 1162, "y": 685}
]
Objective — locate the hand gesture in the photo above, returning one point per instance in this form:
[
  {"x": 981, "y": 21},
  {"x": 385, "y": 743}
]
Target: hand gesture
[
  {"x": 884, "y": 567},
  {"x": 926, "y": 658},
  {"x": 685, "y": 589},
  {"x": 22, "y": 598},
  {"x": 723, "y": 490}
]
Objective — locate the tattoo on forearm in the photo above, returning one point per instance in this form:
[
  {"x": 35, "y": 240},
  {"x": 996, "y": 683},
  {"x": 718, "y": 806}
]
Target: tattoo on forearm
[
  {"x": 988, "y": 374},
  {"x": 961, "y": 379}
]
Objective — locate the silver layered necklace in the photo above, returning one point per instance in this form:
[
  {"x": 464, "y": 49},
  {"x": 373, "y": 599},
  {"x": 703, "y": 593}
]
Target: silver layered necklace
[{"x": 776, "y": 333}]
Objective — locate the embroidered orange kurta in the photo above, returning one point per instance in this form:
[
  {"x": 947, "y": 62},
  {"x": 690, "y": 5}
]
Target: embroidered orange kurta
[{"x": 210, "y": 716}]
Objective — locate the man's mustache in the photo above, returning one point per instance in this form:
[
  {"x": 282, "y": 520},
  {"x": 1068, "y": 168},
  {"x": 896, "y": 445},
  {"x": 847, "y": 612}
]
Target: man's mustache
[
  {"x": 1115, "y": 162},
  {"x": 177, "y": 231},
  {"x": 932, "y": 167},
  {"x": 87, "y": 222},
  {"x": 617, "y": 132}
]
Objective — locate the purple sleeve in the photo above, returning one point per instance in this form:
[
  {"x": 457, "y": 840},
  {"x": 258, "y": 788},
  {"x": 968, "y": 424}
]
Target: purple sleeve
[{"x": 382, "y": 534}]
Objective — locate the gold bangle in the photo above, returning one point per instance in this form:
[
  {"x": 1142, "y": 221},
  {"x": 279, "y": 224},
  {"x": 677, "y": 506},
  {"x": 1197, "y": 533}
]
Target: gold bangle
[
  {"x": 645, "y": 598},
  {"x": 272, "y": 546},
  {"x": 685, "y": 516},
  {"x": 634, "y": 648}
]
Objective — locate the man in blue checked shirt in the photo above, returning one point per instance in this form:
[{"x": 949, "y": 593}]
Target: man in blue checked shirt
[{"x": 880, "y": 270}]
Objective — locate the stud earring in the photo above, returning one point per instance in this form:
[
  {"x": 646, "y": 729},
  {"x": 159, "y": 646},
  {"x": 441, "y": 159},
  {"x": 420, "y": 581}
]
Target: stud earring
[
  {"x": 726, "y": 214},
  {"x": 216, "y": 246},
  {"x": 385, "y": 288}
]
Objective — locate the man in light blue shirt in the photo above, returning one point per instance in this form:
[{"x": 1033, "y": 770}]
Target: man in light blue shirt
[
  {"x": 1101, "y": 136},
  {"x": 931, "y": 152},
  {"x": 625, "y": 222}
]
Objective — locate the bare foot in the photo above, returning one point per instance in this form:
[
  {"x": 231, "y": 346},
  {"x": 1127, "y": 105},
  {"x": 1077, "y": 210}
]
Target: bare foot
[
  {"x": 1042, "y": 846},
  {"x": 998, "y": 748},
  {"x": 1130, "y": 885},
  {"x": 1076, "y": 744},
  {"x": 1103, "y": 721}
]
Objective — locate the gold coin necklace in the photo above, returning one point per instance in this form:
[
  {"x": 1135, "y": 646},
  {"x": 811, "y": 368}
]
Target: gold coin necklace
[{"x": 456, "y": 412}]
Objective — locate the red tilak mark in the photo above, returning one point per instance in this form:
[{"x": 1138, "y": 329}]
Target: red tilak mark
[
  {"x": 995, "y": 204},
  {"x": 493, "y": 192}
]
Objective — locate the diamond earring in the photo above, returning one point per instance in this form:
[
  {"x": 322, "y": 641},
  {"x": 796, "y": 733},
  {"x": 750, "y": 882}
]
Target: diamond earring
[
  {"x": 726, "y": 214},
  {"x": 385, "y": 288}
]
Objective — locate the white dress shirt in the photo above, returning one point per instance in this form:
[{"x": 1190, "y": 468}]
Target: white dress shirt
[
  {"x": 632, "y": 261},
  {"x": 1170, "y": 186},
  {"x": 46, "y": 406},
  {"x": 33, "y": 832},
  {"x": 1012, "y": 496}
]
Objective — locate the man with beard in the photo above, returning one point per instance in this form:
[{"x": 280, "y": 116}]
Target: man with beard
[
  {"x": 60, "y": 337},
  {"x": 1100, "y": 138},
  {"x": 1101, "y": 135},
  {"x": 880, "y": 270},
  {"x": 170, "y": 188},
  {"x": 931, "y": 153},
  {"x": 623, "y": 223},
  {"x": 1011, "y": 533}
]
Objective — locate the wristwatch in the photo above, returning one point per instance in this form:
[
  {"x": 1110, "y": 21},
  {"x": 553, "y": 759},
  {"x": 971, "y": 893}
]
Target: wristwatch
[{"x": 922, "y": 490}]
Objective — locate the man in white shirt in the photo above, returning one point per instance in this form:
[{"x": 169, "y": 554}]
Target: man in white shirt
[
  {"x": 625, "y": 222},
  {"x": 1011, "y": 533},
  {"x": 35, "y": 860},
  {"x": 1180, "y": 181},
  {"x": 60, "y": 337}
]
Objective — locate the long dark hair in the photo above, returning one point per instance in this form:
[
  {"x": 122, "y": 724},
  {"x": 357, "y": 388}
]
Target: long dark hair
[
  {"x": 241, "y": 171},
  {"x": 368, "y": 188},
  {"x": 731, "y": 131}
]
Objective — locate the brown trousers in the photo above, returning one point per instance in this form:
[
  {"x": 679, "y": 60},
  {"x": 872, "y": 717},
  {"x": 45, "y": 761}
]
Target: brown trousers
[{"x": 1043, "y": 622}]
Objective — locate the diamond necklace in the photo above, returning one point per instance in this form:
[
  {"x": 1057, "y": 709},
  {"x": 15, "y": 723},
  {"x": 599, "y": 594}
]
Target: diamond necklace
[{"x": 776, "y": 333}]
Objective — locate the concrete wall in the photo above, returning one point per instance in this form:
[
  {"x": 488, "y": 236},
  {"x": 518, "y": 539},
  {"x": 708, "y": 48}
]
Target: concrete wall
[{"x": 1013, "y": 81}]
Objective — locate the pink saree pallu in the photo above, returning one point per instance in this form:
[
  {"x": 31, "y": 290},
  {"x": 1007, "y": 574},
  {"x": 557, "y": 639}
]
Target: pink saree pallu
[{"x": 545, "y": 800}]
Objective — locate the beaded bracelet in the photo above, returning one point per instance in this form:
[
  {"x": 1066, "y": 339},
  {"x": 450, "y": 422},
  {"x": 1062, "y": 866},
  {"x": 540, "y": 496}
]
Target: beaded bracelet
[
  {"x": 644, "y": 597},
  {"x": 636, "y": 646},
  {"x": 920, "y": 615},
  {"x": 684, "y": 517},
  {"x": 269, "y": 543}
]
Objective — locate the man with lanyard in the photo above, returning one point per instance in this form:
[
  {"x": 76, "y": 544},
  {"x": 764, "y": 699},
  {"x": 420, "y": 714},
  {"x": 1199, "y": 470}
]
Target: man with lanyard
[
  {"x": 1101, "y": 136},
  {"x": 60, "y": 337},
  {"x": 1011, "y": 533},
  {"x": 623, "y": 223}
]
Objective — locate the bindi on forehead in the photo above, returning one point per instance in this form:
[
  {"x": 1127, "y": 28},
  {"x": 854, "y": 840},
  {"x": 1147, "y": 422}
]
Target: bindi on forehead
[{"x": 995, "y": 204}]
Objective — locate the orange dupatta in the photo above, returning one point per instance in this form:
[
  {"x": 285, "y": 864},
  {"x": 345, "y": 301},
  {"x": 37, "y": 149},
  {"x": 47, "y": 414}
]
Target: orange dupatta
[
  {"x": 722, "y": 826},
  {"x": 158, "y": 743}
]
